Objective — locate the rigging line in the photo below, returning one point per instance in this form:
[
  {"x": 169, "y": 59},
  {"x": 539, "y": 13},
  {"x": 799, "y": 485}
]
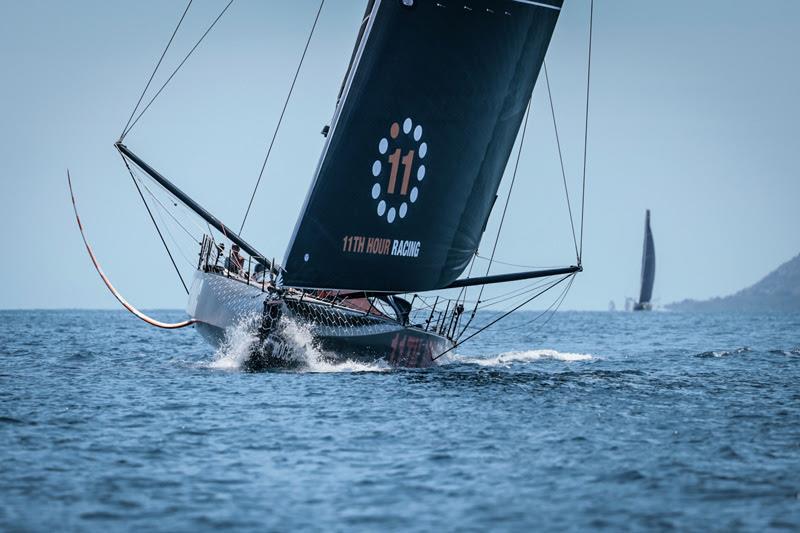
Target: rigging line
[
  {"x": 586, "y": 125},
  {"x": 165, "y": 209},
  {"x": 561, "y": 160},
  {"x": 564, "y": 295},
  {"x": 501, "y": 317},
  {"x": 153, "y": 99},
  {"x": 160, "y": 212},
  {"x": 463, "y": 291},
  {"x": 153, "y": 75},
  {"x": 504, "y": 263},
  {"x": 505, "y": 209},
  {"x": 556, "y": 303},
  {"x": 280, "y": 119},
  {"x": 488, "y": 302},
  {"x": 541, "y": 314},
  {"x": 172, "y": 237},
  {"x": 158, "y": 230},
  {"x": 510, "y": 189},
  {"x": 511, "y": 295},
  {"x": 176, "y": 203}
]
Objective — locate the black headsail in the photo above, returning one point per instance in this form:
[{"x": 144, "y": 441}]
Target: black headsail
[
  {"x": 648, "y": 263},
  {"x": 419, "y": 143}
]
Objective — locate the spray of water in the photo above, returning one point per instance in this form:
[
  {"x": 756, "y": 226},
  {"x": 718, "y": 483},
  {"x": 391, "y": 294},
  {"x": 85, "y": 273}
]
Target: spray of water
[{"x": 297, "y": 348}]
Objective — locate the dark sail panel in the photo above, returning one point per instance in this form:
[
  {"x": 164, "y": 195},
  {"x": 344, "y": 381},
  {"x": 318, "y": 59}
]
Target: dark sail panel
[
  {"x": 648, "y": 263},
  {"x": 420, "y": 142}
]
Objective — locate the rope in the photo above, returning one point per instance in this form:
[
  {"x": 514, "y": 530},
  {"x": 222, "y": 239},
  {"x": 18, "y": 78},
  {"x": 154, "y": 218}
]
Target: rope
[
  {"x": 189, "y": 262},
  {"x": 556, "y": 303},
  {"x": 153, "y": 75},
  {"x": 517, "y": 265},
  {"x": 153, "y": 99},
  {"x": 280, "y": 119},
  {"x": 511, "y": 295},
  {"x": 176, "y": 202},
  {"x": 586, "y": 124},
  {"x": 160, "y": 213},
  {"x": 503, "y": 216},
  {"x": 564, "y": 294},
  {"x": 501, "y": 317},
  {"x": 561, "y": 160},
  {"x": 158, "y": 230},
  {"x": 165, "y": 209}
]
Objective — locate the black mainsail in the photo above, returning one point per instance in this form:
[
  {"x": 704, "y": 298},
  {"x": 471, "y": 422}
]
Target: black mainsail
[
  {"x": 419, "y": 143},
  {"x": 648, "y": 266}
]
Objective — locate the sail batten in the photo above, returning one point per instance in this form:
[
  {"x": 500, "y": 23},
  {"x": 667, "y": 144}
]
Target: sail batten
[{"x": 430, "y": 112}]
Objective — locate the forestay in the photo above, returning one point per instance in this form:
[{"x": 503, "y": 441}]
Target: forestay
[{"x": 419, "y": 143}]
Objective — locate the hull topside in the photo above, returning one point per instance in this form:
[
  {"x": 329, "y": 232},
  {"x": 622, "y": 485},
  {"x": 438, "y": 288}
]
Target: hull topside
[{"x": 220, "y": 303}]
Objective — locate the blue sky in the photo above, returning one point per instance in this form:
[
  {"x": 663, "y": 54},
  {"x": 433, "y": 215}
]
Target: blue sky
[{"x": 694, "y": 114}]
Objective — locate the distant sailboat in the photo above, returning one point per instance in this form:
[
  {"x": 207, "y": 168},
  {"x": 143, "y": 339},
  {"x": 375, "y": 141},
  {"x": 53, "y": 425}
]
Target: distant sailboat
[{"x": 648, "y": 268}]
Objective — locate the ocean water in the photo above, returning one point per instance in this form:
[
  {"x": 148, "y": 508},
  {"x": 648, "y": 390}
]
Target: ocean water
[{"x": 615, "y": 421}]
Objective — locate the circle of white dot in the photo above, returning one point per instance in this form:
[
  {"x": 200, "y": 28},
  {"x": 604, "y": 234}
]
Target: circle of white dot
[{"x": 377, "y": 166}]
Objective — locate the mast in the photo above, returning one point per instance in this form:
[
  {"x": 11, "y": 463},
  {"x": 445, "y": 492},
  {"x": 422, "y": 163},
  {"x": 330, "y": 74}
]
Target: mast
[{"x": 197, "y": 208}]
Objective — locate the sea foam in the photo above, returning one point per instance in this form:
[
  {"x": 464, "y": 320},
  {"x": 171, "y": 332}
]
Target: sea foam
[{"x": 523, "y": 356}]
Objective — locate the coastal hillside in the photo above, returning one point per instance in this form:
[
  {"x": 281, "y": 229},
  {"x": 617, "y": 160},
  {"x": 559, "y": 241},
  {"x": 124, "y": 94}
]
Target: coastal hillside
[{"x": 778, "y": 291}]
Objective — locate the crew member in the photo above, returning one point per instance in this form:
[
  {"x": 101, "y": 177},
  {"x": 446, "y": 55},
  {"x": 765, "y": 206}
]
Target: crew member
[{"x": 235, "y": 261}]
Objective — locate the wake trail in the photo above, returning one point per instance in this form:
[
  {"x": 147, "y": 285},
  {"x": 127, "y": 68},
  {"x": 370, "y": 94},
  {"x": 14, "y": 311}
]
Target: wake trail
[{"x": 520, "y": 357}]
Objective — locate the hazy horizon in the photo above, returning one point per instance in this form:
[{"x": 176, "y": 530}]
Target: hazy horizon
[{"x": 693, "y": 116}]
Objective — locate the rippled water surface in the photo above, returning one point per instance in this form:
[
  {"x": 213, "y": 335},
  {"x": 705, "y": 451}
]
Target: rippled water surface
[{"x": 597, "y": 420}]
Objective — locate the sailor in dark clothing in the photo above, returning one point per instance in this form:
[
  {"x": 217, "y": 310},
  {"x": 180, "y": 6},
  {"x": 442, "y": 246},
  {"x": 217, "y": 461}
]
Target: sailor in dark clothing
[
  {"x": 235, "y": 261},
  {"x": 220, "y": 252}
]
